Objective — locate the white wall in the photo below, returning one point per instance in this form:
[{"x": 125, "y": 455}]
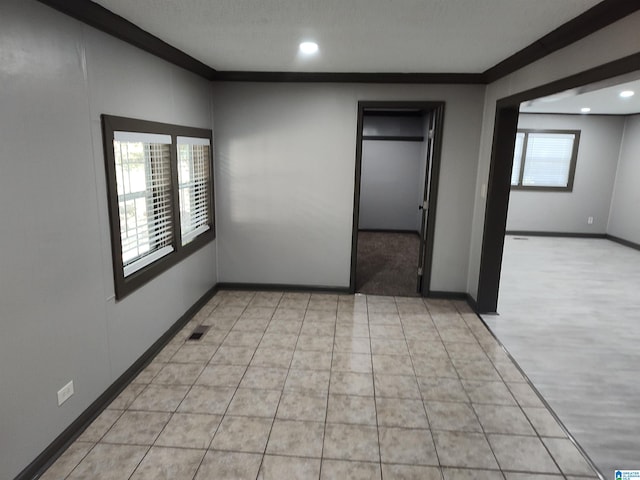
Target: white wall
[
  {"x": 285, "y": 173},
  {"x": 58, "y": 317},
  {"x": 390, "y": 187},
  {"x": 610, "y": 43},
  {"x": 624, "y": 219},
  {"x": 567, "y": 212}
]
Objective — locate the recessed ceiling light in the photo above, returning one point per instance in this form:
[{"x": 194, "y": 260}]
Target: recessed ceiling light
[
  {"x": 308, "y": 48},
  {"x": 627, "y": 93},
  {"x": 585, "y": 110}
]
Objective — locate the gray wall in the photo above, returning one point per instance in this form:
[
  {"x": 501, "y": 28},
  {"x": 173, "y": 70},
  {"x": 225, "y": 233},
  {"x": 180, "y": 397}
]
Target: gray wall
[
  {"x": 624, "y": 219},
  {"x": 377, "y": 125},
  {"x": 567, "y": 212},
  {"x": 390, "y": 187},
  {"x": 285, "y": 173},
  {"x": 607, "y": 44},
  {"x": 58, "y": 317}
]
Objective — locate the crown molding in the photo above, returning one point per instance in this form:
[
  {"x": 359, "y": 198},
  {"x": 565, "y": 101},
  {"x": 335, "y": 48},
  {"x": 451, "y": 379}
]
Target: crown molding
[
  {"x": 599, "y": 16},
  {"x": 592, "y": 20},
  {"x": 105, "y": 20},
  {"x": 347, "y": 77}
]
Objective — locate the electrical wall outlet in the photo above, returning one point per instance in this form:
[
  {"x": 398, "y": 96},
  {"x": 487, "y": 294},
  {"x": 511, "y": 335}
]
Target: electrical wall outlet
[
  {"x": 65, "y": 393},
  {"x": 590, "y": 220}
]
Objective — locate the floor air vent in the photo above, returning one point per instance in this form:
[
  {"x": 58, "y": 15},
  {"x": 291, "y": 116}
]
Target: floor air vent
[
  {"x": 198, "y": 332},
  {"x": 520, "y": 238}
]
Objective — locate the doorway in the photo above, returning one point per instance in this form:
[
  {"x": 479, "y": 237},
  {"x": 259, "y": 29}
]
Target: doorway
[
  {"x": 563, "y": 279},
  {"x": 500, "y": 171},
  {"x": 397, "y": 166}
]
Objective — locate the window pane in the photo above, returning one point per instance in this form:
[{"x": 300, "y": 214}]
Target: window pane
[
  {"x": 160, "y": 186},
  {"x": 194, "y": 181},
  {"x": 517, "y": 158},
  {"x": 144, "y": 200},
  {"x": 548, "y": 160}
]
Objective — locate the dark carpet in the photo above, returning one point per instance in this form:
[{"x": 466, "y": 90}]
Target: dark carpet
[{"x": 387, "y": 263}]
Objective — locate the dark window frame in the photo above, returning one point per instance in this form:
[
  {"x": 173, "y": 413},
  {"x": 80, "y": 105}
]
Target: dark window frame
[
  {"x": 110, "y": 124},
  {"x": 572, "y": 164}
]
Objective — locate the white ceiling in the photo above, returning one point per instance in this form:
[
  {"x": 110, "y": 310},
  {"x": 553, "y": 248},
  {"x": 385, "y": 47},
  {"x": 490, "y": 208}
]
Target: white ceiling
[
  {"x": 601, "y": 98},
  {"x": 428, "y": 36}
]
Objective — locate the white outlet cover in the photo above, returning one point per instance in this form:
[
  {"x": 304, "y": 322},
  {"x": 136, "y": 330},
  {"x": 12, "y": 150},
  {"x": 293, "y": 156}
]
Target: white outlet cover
[{"x": 65, "y": 393}]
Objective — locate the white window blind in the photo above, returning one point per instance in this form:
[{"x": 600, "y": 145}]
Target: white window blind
[
  {"x": 517, "y": 158},
  {"x": 544, "y": 159},
  {"x": 160, "y": 193},
  {"x": 548, "y": 159},
  {"x": 143, "y": 178},
  {"x": 194, "y": 180}
]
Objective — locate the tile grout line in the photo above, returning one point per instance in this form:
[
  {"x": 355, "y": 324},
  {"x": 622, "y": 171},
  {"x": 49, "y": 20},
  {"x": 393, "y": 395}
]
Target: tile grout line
[
  {"x": 79, "y": 461},
  {"x": 520, "y": 408},
  {"x": 373, "y": 379},
  {"x": 109, "y": 429},
  {"x": 460, "y": 379},
  {"x": 326, "y": 411},
  {"x": 127, "y": 409},
  {"x": 273, "y": 421},
  {"x": 528, "y": 381},
  {"x": 133, "y": 472},
  {"x": 195, "y": 474},
  {"x": 333, "y": 351},
  {"x": 422, "y": 400}
]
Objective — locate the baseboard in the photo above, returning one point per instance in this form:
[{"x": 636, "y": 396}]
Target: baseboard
[
  {"x": 270, "y": 287},
  {"x": 473, "y": 304},
  {"x": 447, "y": 295},
  {"x": 622, "y": 241},
  {"x": 73, "y": 431},
  {"x": 386, "y": 230},
  {"x": 606, "y": 236},
  {"x": 455, "y": 296},
  {"x": 526, "y": 233}
]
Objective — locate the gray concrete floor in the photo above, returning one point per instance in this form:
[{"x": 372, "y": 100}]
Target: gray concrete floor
[{"x": 569, "y": 313}]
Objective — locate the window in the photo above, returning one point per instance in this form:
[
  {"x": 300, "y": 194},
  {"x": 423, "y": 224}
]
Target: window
[
  {"x": 159, "y": 181},
  {"x": 194, "y": 185},
  {"x": 545, "y": 160}
]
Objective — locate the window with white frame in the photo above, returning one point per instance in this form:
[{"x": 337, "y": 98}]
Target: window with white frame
[
  {"x": 194, "y": 184},
  {"x": 143, "y": 179},
  {"x": 160, "y": 196},
  {"x": 545, "y": 160}
]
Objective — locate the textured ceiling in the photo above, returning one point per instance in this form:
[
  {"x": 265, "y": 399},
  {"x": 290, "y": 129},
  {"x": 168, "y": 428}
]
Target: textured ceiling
[{"x": 432, "y": 36}]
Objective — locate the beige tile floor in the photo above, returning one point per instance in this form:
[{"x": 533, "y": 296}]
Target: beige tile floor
[{"x": 297, "y": 386}]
